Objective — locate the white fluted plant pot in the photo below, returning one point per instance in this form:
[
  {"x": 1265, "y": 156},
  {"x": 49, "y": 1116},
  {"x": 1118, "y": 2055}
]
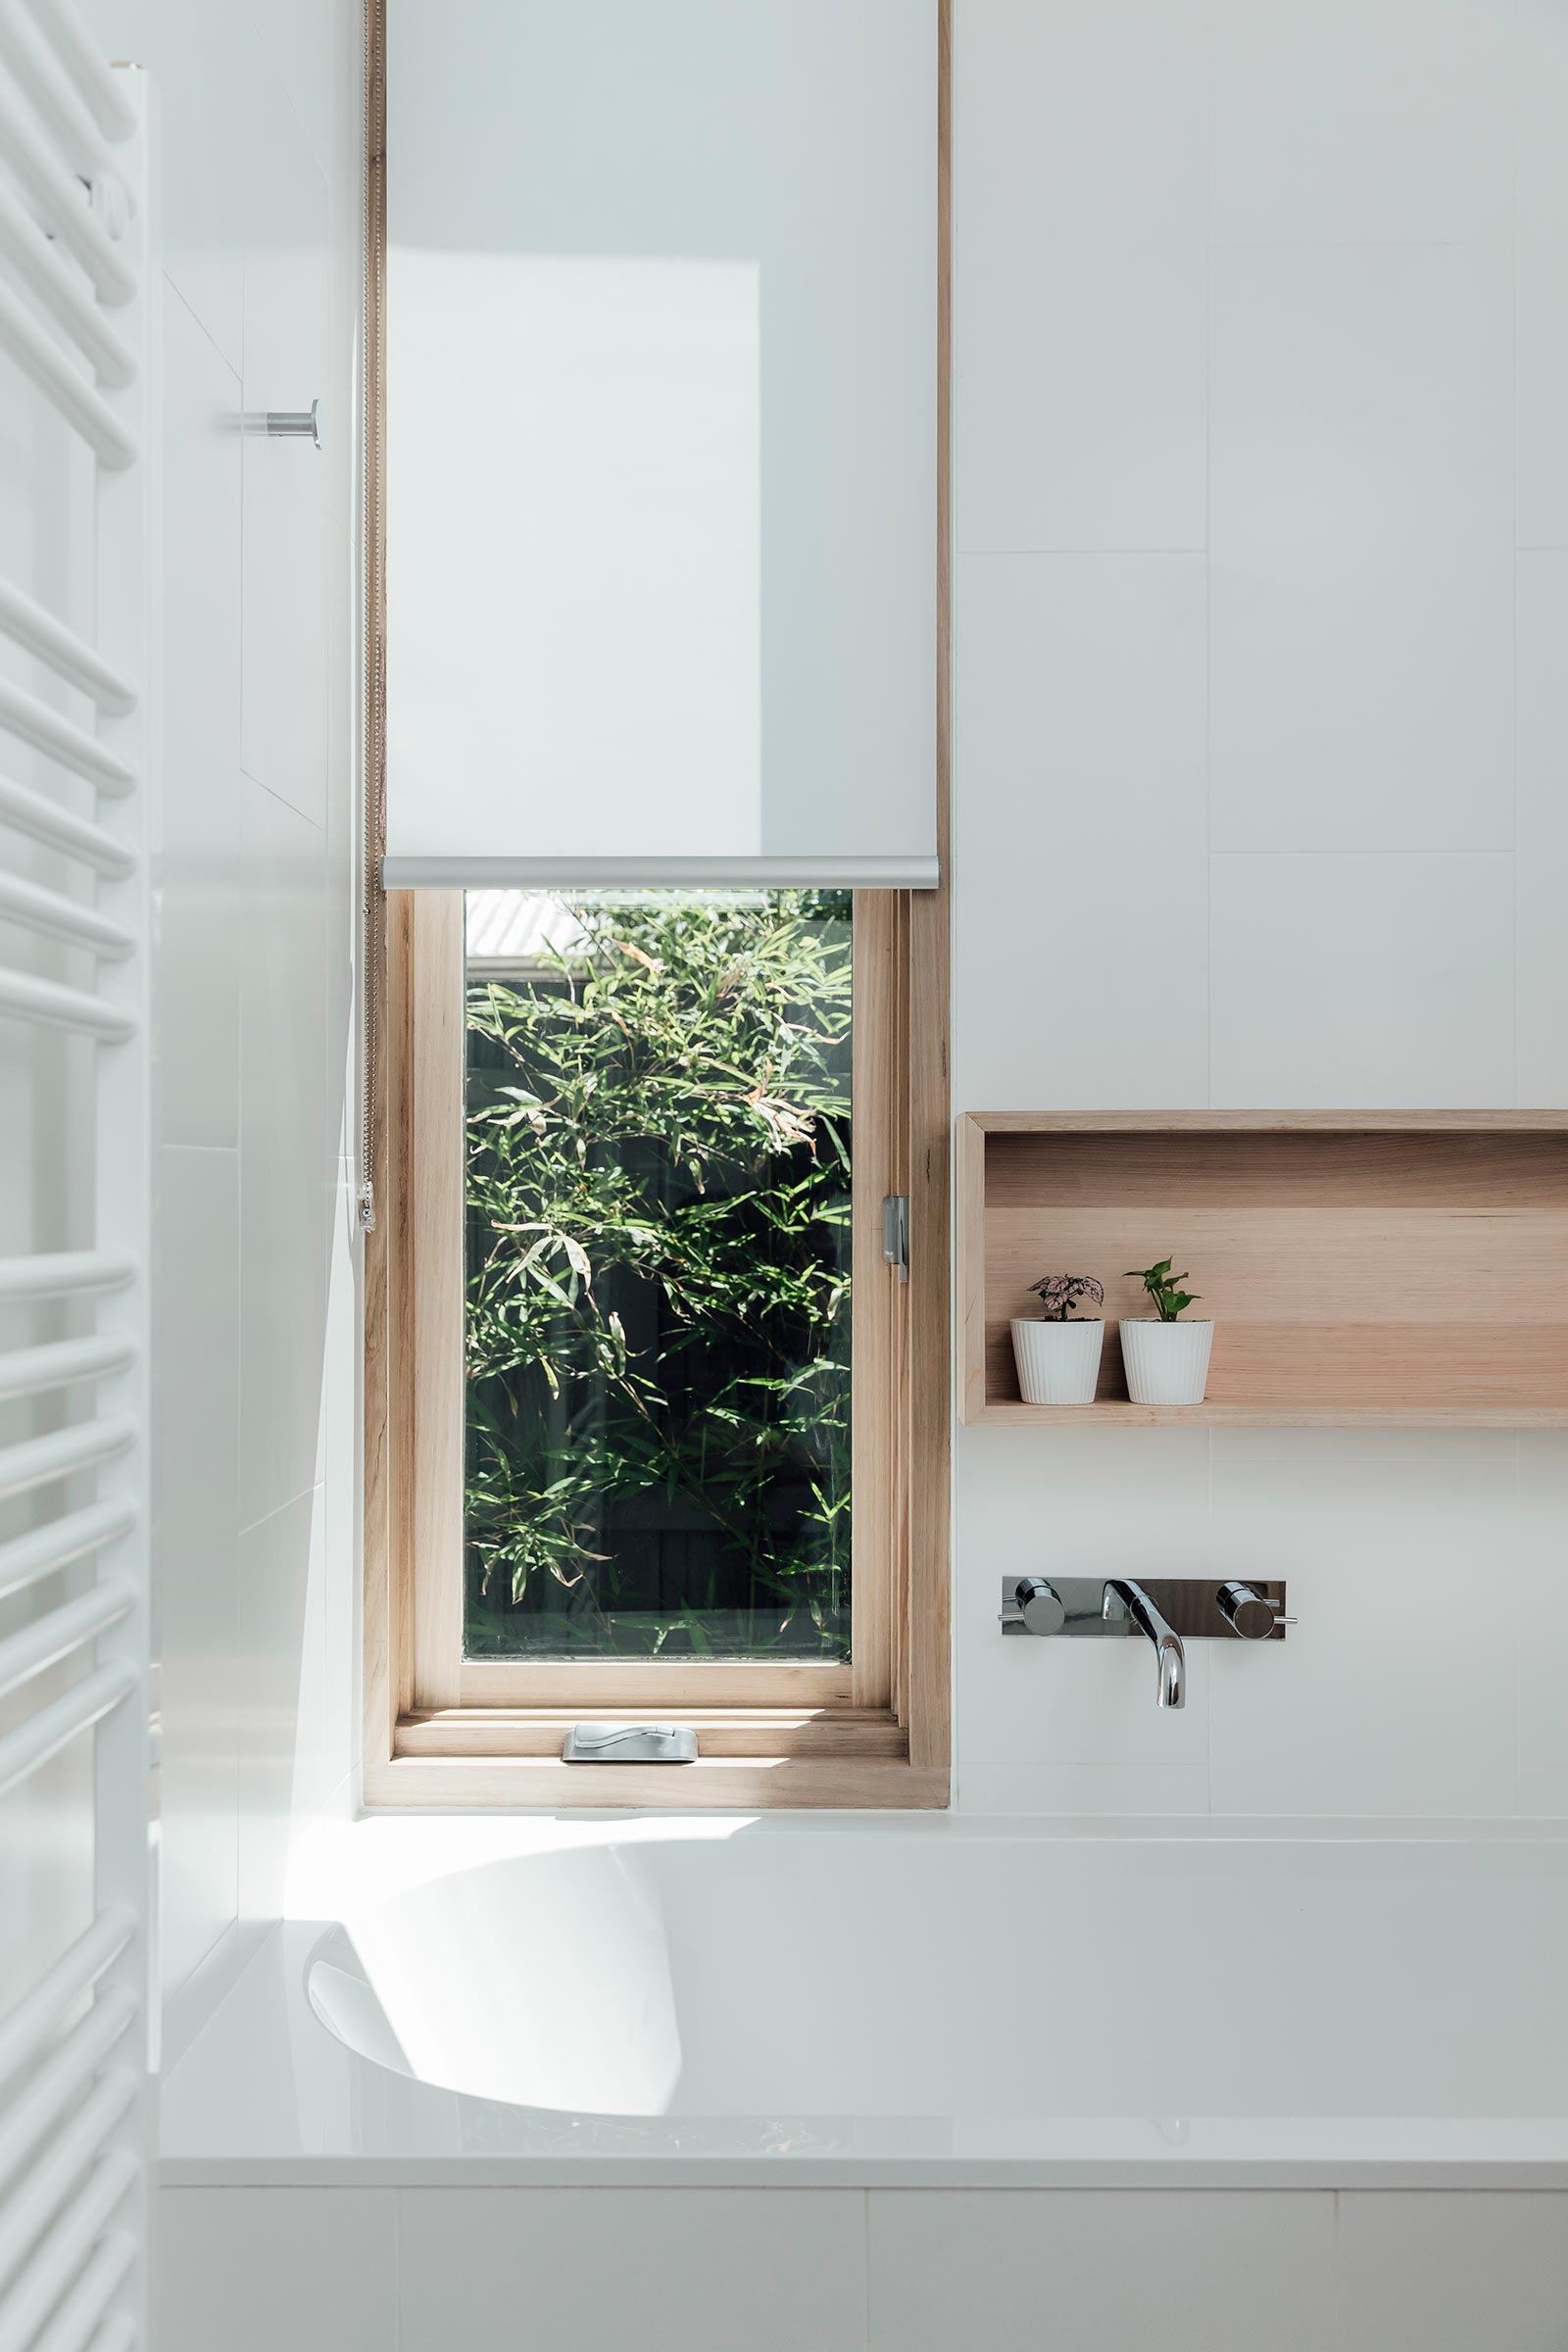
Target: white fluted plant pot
[
  {"x": 1059, "y": 1363},
  {"x": 1166, "y": 1363}
]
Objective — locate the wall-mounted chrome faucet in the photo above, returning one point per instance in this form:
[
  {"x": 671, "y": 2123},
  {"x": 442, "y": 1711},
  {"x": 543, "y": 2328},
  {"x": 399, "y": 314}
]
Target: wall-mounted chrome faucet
[
  {"x": 1125, "y": 1598},
  {"x": 1169, "y": 1611}
]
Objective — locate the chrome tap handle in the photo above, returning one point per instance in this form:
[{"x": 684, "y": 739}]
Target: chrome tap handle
[
  {"x": 1247, "y": 1609},
  {"x": 1171, "y": 1659},
  {"x": 1040, "y": 1606}
]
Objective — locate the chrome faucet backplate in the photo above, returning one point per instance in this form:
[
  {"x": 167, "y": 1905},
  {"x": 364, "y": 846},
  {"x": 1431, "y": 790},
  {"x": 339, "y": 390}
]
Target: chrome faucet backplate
[{"x": 1168, "y": 1611}]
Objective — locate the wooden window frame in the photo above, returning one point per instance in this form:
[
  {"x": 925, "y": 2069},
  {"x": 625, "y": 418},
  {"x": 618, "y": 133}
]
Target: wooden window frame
[{"x": 442, "y": 1731}]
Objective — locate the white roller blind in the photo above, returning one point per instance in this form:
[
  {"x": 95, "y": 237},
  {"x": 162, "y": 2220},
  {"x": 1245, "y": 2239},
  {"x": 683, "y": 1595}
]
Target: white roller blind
[{"x": 660, "y": 474}]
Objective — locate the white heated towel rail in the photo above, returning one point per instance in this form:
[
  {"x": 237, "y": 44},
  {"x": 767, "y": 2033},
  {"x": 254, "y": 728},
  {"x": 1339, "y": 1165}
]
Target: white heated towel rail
[{"x": 77, "y": 294}]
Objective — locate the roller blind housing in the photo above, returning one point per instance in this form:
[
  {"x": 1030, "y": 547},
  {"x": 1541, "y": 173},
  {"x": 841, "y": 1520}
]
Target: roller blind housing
[{"x": 661, "y": 441}]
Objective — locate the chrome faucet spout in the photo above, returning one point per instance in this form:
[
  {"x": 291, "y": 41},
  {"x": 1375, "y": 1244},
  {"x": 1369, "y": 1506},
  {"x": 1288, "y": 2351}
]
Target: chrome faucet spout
[{"x": 1171, "y": 1658}]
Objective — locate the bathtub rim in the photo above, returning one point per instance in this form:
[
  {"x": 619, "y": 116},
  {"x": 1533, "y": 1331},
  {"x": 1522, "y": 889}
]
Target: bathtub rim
[{"x": 269, "y": 2006}]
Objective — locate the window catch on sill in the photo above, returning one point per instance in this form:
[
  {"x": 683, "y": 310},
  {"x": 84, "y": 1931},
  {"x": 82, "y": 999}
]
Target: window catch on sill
[
  {"x": 630, "y": 1744},
  {"x": 896, "y": 1231}
]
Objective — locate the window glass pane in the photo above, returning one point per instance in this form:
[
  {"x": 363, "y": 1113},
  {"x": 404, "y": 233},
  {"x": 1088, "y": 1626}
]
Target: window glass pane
[{"x": 658, "y": 1275}]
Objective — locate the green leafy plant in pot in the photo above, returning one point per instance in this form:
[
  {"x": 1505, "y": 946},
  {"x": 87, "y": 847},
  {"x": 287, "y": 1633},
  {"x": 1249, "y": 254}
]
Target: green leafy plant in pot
[
  {"x": 1057, "y": 1352},
  {"x": 1166, "y": 1361}
]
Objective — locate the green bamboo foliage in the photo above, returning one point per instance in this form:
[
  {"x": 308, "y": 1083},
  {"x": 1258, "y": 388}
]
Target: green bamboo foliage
[{"x": 659, "y": 1307}]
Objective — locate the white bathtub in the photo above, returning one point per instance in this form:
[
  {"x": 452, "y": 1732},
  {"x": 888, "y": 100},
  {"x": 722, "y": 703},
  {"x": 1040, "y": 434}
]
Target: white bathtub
[
  {"x": 942, "y": 2002},
  {"x": 884, "y": 2087}
]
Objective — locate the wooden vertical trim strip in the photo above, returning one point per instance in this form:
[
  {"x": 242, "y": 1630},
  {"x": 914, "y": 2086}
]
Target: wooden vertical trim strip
[
  {"x": 393, "y": 1224},
  {"x": 971, "y": 1253},
  {"x": 434, "y": 1236},
  {"x": 896, "y": 1400},
  {"x": 876, "y": 1170}
]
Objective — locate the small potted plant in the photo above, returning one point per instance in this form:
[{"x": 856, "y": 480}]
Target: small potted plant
[
  {"x": 1166, "y": 1361},
  {"x": 1058, "y": 1353}
]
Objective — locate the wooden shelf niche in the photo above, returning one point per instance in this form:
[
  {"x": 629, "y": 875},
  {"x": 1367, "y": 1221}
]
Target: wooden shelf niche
[{"x": 1393, "y": 1269}]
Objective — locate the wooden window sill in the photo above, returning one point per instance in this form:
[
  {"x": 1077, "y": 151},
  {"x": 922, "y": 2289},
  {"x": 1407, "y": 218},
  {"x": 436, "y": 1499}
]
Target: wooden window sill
[{"x": 510, "y": 1758}]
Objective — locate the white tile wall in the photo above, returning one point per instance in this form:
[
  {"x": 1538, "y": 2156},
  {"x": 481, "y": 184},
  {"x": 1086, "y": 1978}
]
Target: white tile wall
[
  {"x": 284, "y": 1194},
  {"x": 1434, "y": 2273},
  {"x": 842, "y": 2270},
  {"x": 1362, "y": 1709},
  {"x": 199, "y": 935},
  {"x": 1540, "y": 190},
  {"x": 1090, "y": 1792},
  {"x": 705, "y": 2270},
  {"x": 275, "y": 1583},
  {"x": 1093, "y": 2273},
  {"x": 289, "y": 575},
  {"x": 1089, "y": 361},
  {"x": 1091, "y": 117},
  {"x": 1080, "y": 819},
  {"x": 1541, "y": 353},
  {"x": 1281, "y": 817},
  {"x": 1543, "y": 820},
  {"x": 1336, "y": 122},
  {"x": 1543, "y": 1715},
  {"x": 1362, "y": 518},
  {"x": 255, "y": 2268},
  {"x": 196, "y": 1370},
  {"x": 259, "y": 150},
  {"x": 1373, "y": 980}
]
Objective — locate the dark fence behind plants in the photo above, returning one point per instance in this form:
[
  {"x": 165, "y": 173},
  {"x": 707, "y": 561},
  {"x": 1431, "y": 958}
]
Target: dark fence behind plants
[{"x": 658, "y": 1285}]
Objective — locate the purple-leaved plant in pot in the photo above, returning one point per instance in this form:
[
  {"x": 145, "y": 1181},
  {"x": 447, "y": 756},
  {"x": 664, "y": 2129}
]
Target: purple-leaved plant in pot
[{"x": 1057, "y": 1352}]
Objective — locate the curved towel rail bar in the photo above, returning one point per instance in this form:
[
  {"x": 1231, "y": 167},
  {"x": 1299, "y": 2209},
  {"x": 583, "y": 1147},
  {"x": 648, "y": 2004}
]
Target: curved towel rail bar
[
  {"x": 78, "y": 54},
  {"x": 28, "y": 1000},
  {"x": 62, "y": 2257},
  {"x": 64, "y": 2076},
  {"x": 58, "y": 103},
  {"x": 55, "y": 1272},
  {"x": 22, "y": 714},
  {"x": 37, "y": 1460},
  {"x": 34, "y": 1371},
  {"x": 59, "y": 918},
  {"x": 117, "y": 2334},
  {"x": 28, "y": 1559},
  {"x": 74, "y": 2110},
  {"x": 64, "y": 1631},
  {"x": 45, "y": 1734},
  {"x": 63, "y": 201},
  {"x": 37, "y": 2201},
  {"x": 28, "y": 624},
  {"x": 62, "y": 293},
  {"x": 28, "y": 812},
  {"x": 25, "y": 2028},
  {"x": 83, "y": 2305},
  {"x": 72, "y": 394},
  {"x": 60, "y": 382}
]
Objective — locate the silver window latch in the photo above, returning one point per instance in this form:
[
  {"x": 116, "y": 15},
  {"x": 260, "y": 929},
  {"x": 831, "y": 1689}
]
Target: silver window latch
[
  {"x": 896, "y": 1231},
  {"x": 630, "y": 1744}
]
